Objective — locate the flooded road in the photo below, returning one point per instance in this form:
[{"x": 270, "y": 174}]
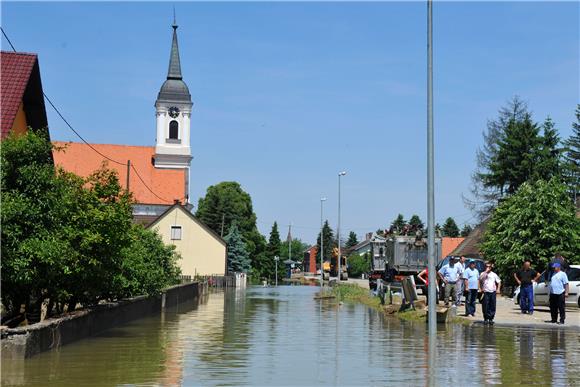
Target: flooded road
[{"x": 282, "y": 336}]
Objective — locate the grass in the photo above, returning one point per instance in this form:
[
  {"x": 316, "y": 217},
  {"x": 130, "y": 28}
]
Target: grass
[{"x": 354, "y": 293}]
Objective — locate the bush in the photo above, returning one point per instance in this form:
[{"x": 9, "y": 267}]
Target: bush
[{"x": 70, "y": 240}]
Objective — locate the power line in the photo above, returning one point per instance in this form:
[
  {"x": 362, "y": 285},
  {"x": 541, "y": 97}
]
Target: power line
[{"x": 85, "y": 141}]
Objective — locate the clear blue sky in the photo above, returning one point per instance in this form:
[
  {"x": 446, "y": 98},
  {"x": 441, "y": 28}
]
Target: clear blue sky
[{"x": 286, "y": 95}]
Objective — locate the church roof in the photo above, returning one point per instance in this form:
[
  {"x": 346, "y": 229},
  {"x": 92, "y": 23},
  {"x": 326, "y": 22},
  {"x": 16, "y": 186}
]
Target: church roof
[
  {"x": 167, "y": 185},
  {"x": 174, "y": 88},
  {"x": 20, "y": 84}
]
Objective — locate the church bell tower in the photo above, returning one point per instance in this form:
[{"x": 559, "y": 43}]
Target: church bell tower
[{"x": 173, "y": 109}]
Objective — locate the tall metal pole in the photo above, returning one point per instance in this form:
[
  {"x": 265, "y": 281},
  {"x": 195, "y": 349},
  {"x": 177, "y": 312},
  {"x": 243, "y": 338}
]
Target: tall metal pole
[
  {"x": 430, "y": 177},
  {"x": 340, "y": 174},
  {"x": 322, "y": 200},
  {"x": 276, "y": 260}
]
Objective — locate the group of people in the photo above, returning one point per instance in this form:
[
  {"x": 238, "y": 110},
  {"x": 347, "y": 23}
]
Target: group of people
[{"x": 460, "y": 276}]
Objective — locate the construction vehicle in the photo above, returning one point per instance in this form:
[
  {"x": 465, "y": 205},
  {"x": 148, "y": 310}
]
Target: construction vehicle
[
  {"x": 330, "y": 268},
  {"x": 395, "y": 257}
]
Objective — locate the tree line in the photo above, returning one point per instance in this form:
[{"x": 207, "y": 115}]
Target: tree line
[{"x": 68, "y": 240}]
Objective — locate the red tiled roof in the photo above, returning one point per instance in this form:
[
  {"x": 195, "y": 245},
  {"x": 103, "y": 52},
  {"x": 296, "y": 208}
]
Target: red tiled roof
[
  {"x": 167, "y": 184},
  {"x": 15, "y": 70},
  {"x": 449, "y": 244}
]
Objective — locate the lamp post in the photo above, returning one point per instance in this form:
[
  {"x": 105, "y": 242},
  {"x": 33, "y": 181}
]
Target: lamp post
[
  {"x": 322, "y": 200},
  {"x": 340, "y": 174},
  {"x": 276, "y": 258}
]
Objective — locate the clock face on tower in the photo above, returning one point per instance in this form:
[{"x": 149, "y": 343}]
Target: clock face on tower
[{"x": 173, "y": 112}]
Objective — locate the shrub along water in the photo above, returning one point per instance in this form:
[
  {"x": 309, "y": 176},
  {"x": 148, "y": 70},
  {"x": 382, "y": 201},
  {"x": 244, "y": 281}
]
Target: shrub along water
[{"x": 69, "y": 240}]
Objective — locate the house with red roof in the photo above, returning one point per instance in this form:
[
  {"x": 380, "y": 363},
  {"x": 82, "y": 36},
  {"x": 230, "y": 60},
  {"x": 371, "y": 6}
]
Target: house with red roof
[{"x": 22, "y": 98}]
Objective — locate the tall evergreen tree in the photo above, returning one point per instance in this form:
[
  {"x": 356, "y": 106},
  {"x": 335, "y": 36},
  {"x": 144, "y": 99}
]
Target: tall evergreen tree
[
  {"x": 352, "y": 240},
  {"x": 484, "y": 197},
  {"x": 549, "y": 162},
  {"x": 329, "y": 242},
  {"x": 450, "y": 228},
  {"x": 572, "y": 159},
  {"x": 517, "y": 158},
  {"x": 238, "y": 259}
]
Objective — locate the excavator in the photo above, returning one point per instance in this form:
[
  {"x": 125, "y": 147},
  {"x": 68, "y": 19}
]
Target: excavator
[{"x": 330, "y": 268}]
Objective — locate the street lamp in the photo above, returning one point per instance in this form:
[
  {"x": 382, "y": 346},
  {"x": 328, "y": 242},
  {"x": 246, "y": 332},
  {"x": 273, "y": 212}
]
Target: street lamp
[
  {"x": 276, "y": 259},
  {"x": 322, "y": 200},
  {"x": 340, "y": 174}
]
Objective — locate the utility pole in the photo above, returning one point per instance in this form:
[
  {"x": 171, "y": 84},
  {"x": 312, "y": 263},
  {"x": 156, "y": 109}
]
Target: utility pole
[
  {"x": 223, "y": 218},
  {"x": 128, "y": 173},
  {"x": 276, "y": 258},
  {"x": 340, "y": 174},
  {"x": 322, "y": 200},
  {"x": 430, "y": 180}
]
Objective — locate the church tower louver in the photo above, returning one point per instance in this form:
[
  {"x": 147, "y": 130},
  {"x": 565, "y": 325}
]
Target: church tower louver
[{"x": 173, "y": 108}]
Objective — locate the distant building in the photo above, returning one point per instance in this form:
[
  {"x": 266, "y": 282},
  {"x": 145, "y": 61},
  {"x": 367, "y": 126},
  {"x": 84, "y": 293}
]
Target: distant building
[
  {"x": 202, "y": 251},
  {"x": 21, "y": 94},
  {"x": 373, "y": 244},
  {"x": 309, "y": 263}
]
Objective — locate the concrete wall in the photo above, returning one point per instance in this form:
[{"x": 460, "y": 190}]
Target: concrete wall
[
  {"x": 27, "y": 341},
  {"x": 202, "y": 252}
]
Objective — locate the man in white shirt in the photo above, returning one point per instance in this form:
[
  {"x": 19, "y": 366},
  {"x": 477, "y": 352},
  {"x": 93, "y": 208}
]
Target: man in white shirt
[
  {"x": 491, "y": 285},
  {"x": 460, "y": 287}
]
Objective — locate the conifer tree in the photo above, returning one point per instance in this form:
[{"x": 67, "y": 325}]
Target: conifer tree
[
  {"x": 352, "y": 240},
  {"x": 450, "y": 228},
  {"x": 572, "y": 159},
  {"x": 238, "y": 259},
  {"x": 329, "y": 242}
]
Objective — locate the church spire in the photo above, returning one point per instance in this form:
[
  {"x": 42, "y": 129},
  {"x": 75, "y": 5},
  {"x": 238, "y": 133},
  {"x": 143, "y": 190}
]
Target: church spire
[{"x": 174, "y": 63}]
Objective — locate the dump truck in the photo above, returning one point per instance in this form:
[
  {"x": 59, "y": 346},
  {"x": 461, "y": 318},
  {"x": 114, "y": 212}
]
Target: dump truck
[
  {"x": 397, "y": 256},
  {"x": 330, "y": 268}
]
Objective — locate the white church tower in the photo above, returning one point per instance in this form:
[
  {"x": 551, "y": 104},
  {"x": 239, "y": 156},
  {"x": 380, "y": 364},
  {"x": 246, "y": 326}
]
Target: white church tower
[{"x": 173, "y": 107}]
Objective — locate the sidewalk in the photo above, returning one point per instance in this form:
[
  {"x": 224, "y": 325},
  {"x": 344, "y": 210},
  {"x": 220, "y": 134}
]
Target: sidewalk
[{"x": 508, "y": 313}]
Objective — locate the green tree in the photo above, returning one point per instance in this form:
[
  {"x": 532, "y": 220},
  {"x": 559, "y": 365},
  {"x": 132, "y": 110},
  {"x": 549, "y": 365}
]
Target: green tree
[
  {"x": 485, "y": 196},
  {"x": 572, "y": 158},
  {"x": 450, "y": 228},
  {"x": 536, "y": 222},
  {"x": 227, "y": 203},
  {"x": 549, "y": 162},
  {"x": 358, "y": 264},
  {"x": 329, "y": 242},
  {"x": 352, "y": 240},
  {"x": 466, "y": 230},
  {"x": 398, "y": 224},
  {"x": 238, "y": 259},
  {"x": 66, "y": 239},
  {"x": 267, "y": 267},
  {"x": 517, "y": 158}
]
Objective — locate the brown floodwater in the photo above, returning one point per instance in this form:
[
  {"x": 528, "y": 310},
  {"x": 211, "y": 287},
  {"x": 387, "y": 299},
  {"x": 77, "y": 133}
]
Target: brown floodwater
[{"x": 282, "y": 336}]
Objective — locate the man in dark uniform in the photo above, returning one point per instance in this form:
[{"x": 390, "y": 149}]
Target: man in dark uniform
[{"x": 526, "y": 278}]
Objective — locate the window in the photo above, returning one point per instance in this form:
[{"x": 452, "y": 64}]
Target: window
[
  {"x": 175, "y": 233},
  {"x": 174, "y": 130}
]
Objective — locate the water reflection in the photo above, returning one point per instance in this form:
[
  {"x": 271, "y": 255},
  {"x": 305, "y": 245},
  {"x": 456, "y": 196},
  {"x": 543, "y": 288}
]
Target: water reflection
[{"x": 282, "y": 336}]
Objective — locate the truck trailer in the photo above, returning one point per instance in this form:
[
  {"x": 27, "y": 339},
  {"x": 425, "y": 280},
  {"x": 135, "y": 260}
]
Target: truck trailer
[{"x": 396, "y": 256}]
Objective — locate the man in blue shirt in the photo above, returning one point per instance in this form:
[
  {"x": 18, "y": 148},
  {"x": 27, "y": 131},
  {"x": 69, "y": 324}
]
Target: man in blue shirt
[
  {"x": 559, "y": 289},
  {"x": 471, "y": 278},
  {"x": 449, "y": 274}
]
